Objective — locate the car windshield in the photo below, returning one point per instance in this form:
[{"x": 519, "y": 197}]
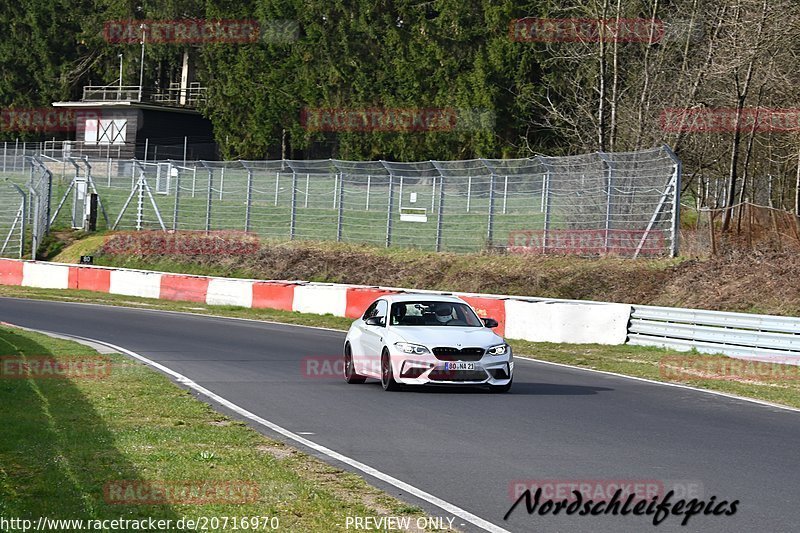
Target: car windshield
[{"x": 433, "y": 314}]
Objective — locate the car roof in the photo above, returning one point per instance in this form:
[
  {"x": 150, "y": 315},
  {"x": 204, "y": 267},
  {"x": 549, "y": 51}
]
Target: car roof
[{"x": 423, "y": 297}]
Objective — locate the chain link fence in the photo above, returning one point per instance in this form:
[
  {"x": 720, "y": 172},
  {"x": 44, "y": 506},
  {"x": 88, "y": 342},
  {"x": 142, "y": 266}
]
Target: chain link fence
[
  {"x": 601, "y": 203},
  {"x": 25, "y": 209},
  {"x": 12, "y": 219}
]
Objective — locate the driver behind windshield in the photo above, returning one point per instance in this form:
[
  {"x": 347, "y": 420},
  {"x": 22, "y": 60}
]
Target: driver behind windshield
[{"x": 443, "y": 313}]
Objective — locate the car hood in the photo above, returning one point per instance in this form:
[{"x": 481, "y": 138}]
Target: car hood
[{"x": 433, "y": 336}]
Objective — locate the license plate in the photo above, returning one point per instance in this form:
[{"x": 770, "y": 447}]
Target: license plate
[{"x": 459, "y": 366}]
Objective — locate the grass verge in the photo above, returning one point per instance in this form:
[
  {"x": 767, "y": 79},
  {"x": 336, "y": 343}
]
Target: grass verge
[
  {"x": 778, "y": 384},
  {"x": 64, "y": 440}
]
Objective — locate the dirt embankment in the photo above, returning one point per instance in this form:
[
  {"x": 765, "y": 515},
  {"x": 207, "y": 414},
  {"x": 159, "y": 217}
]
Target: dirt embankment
[{"x": 752, "y": 281}]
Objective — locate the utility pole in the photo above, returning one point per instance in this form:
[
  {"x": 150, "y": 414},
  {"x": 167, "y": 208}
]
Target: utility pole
[{"x": 141, "y": 63}]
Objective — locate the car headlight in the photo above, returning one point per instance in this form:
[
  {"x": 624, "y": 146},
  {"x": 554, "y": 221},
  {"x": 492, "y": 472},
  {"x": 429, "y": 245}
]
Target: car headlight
[
  {"x": 500, "y": 349},
  {"x": 415, "y": 349}
]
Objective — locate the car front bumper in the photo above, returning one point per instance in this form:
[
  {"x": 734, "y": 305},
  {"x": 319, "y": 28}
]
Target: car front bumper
[{"x": 489, "y": 370}]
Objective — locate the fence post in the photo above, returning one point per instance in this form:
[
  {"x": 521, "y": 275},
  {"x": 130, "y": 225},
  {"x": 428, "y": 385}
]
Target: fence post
[
  {"x": 335, "y": 188},
  {"x": 209, "y": 195},
  {"x": 676, "y": 204},
  {"x": 139, "y": 202},
  {"x": 433, "y": 194},
  {"x": 249, "y": 199},
  {"x": 16, "y": 150},
  {"x": 35, "y": 225},
  {"x": 440, "y": 214},
  {"x": 175, "y": 210},
  {"x": 23, "y": 224},
  {"x": 340, "y": 213},
  {"x": 490, "y": 223},
  {"x": 401, "y": 193},
  {"x": 308, "y": 181},
  {"x": 545, "y": 202},
  {"x": 369, "y": 183},
  {"x": 49, "y": 176},
  {"x": 221, "y": 181},
  {"x": 609, "y": 189},
  {"x": 544, "y": 179},
  {"x": 30, "y": 181},
  {"x": 469, "y": 191},
  {"x": 505, "y": 193},
  {"x": 389, "y": 212},
  {"x": 5, "y": 154},
  {"x": 277, "y": 185},
  {"x": 293, "y": 214}
]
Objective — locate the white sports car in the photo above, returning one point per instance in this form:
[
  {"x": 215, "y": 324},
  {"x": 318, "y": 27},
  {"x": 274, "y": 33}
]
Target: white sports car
[{"x": 419, "y": 339}]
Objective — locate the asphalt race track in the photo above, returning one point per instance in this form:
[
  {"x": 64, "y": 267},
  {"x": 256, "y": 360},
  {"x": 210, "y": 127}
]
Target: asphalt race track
[{"x": 469, "y": 447}]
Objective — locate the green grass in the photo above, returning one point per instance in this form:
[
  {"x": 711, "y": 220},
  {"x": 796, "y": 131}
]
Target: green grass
[
  {"x": 65, "y": 439},
  {"x": 85, "y": 245},
  {"x": 638, "y": 361}
]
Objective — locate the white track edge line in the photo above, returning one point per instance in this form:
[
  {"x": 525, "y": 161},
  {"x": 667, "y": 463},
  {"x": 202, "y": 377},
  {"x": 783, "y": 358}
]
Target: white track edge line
[
  {"x": 665, "y": 383},
  {"x": 402, "y": 485}
]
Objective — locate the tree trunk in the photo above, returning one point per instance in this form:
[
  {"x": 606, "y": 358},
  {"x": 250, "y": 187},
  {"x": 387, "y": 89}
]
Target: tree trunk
[
  {"x": 601, "y": 104},
  {"x": 612, "y": 137},
  {"x": 741, "y": 99},
  {"x": 797, "y": 193},
  {"x": 643, "y": 97}
]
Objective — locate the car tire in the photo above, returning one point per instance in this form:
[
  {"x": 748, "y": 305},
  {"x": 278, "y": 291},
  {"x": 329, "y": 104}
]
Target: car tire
[
  {"x": 387, "y": 378},
  {"x": 501, "y": 388},
  {"x": 350, "y": 375}
]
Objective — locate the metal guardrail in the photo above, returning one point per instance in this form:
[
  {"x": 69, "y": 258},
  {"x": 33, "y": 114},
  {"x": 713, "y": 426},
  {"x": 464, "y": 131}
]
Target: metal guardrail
[{"x": 734, "y": 334}]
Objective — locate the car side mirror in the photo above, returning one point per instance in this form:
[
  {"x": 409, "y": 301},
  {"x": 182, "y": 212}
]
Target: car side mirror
[
  {"x": 375, "y": 321},
  {"x": 490, "y": 322}
]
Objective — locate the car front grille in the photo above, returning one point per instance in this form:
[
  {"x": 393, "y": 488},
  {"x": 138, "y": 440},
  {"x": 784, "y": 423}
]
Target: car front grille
[
  {"x": 449, "y": 353},
  {"x": 457, "y": 375}
]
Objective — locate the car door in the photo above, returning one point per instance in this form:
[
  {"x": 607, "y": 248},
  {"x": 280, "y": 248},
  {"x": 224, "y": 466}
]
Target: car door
[{"x": 372, "y": 340}]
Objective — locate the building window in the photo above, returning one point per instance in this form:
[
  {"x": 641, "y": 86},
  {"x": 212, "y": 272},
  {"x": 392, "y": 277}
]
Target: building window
[{"x": 105, "y": 131}]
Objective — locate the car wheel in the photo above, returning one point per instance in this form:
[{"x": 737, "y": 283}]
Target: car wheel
[
  {"x": 501, "y": 388},
  {"x": 350, "y": 375},
  {"x": 387, "y": 377}
]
